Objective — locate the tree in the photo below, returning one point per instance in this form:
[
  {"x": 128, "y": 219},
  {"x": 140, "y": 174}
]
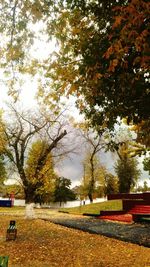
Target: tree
[
  {"x": 93, "y": 177},
  {"x": 111, "y": 184},
  {"x": 143, "y": 188},
  {"x": 16, "y": 189},
  {"x": 122, "y": 141},
  {"x": 146, "y": 163},
  {"x": 62, "y": 192},
  {"x": 127, "y": 151},
  {"x": 20, "y": 133},
  {"x": 128, "y": 173},
  {"x": 94, "y": 144},
  {"x": 3, "y": 141},
  {"x": 143, "y": 133},
  {"x": 107, "y": 73},
  {"x": 128, "y": 57},
  {"x": 42, "y": 181},
  {"x": 103, "y": 57},
  {"x": 3, "y": 173}
]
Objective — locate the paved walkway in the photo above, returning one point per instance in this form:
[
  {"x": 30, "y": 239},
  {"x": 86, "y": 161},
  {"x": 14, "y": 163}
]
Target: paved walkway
[{"x": 134, "y": 233}]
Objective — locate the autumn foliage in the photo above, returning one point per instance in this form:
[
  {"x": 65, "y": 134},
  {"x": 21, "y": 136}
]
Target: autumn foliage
[
  {"x": 101, "y": 57},
  {"x": 104, "y": 60},
  {"x": 41, "y": 243},
  {"x": 132, "y": 23}
]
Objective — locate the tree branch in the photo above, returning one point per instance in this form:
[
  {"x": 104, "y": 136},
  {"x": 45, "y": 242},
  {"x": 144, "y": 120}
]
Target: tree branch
[{"x": 42, "y": 159}]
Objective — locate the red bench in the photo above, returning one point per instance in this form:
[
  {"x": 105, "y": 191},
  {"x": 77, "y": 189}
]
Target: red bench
[
  {"x": 140, "y": 213},
  {"x": 135, "y": 205},
  {"x": 142, "y": 209}
]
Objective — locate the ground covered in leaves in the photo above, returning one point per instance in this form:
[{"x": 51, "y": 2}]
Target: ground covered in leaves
[{"x": 40, "y": 243}]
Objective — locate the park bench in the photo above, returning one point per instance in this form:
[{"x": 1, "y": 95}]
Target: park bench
[
  {"x": 135, "y": 205},
  {"x": 11, "y": 231},
  {"x": 140, "y": 213},
  {"x": 140, "y": 209},
  {"x": 4, "y": 261}
]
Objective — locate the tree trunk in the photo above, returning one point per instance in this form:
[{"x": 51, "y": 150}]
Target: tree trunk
[
  {"x": 29, "y": 212},
  {"x": 29, "y": 194},
  {"x": 90, "y": 197},
  {"x": 92, "y": 182},
  {"x": 29, "y": 200}
]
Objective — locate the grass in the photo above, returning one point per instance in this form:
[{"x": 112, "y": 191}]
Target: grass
[
  {"x": 16, "y": 208},
  {"x": 13, "y": 210},
  {"x": 95, "y": 208},
  {"x": 43, "y": 244}
]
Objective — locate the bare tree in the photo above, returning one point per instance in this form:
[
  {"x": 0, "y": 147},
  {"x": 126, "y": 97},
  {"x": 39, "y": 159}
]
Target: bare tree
[
  {"x": 20, "y": 130},
  {"x": 94, "y": 143}
]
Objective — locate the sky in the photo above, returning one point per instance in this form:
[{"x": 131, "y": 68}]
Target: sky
[{"x": 71, "y": 167}]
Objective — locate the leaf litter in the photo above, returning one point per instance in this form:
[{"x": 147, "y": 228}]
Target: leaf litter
[{"x": 40, "y": 243}]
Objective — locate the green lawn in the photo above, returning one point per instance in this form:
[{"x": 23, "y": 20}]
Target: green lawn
[
  {"x": 13, "y": 210},
  {"x": 16, "y": 208},
  {"x": 95, "y": 208}
]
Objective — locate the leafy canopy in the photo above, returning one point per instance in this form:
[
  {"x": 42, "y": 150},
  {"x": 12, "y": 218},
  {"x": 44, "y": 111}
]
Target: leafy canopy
[
  {"x": 103, "y": 55},
  {"x": 103, "y": 59},
  {"x": 62, "y": 192}
]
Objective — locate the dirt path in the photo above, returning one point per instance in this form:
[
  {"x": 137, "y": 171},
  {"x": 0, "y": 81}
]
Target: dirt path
[{"x": 134, "y": 233}]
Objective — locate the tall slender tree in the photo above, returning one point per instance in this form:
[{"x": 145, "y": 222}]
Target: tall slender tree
[
  {"x": 93, "y": 180},
  {"x": 94, "y": 144}
]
